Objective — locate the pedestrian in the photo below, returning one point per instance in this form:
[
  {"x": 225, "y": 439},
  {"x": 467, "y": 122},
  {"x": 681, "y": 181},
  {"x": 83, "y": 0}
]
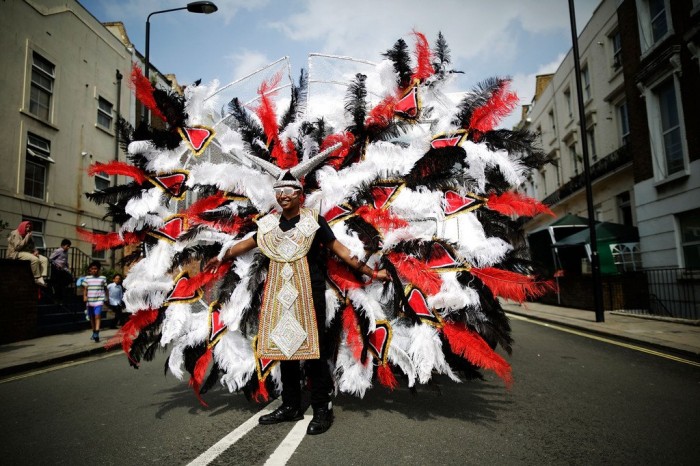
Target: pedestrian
[
  {"x": 61, "y": 274},
  {"x": 304, "y": 268},
  {"x": 116, "y": 299},
  {"x": 95, "y": 294},
  {"x": 20, "y": 245}
]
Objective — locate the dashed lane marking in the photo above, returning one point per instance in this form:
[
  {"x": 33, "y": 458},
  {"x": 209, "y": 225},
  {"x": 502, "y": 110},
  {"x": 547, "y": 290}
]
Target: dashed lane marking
[{"x": 607, "y": 340}]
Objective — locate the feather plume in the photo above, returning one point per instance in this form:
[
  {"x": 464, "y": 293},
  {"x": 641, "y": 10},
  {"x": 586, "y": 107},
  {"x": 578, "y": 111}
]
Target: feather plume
[
  {"x": 513, "y": 203},
  {"x": 352, "y": 332},
  {"x": 128, "y": 332},
  {"x": 424, "y": 68},
  {"x": 118, "y": 168},
  {"x": 416, "y": 272},
  {"x": 500, "y": 104},
  {"x": 200, "y": 370},
  {"x": 471, "y": 346},
  {"x": 386, "y": 377},
  {"x": 144, "y": 91},
  {"x": 103, "y": 241},
  {"x": 512, "y": 285}
]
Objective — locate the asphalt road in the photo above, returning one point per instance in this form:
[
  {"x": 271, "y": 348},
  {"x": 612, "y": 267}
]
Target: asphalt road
[{"x": 575, "y": 401}]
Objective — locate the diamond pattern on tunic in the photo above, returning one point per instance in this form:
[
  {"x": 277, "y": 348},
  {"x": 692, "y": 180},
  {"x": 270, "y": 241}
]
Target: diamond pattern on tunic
[
  {"x": 288, "y": 335},
  {"x": 287, "y": 295},
  {"x": 287, "y": 248},
  {"x": 287, "y": 272},
  {"x": 307, "y": 226},
  {"x": 267, "y": 223}
]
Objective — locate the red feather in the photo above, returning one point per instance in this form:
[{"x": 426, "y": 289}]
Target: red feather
[
  {"x": 386, "y": 377},
  {"x": 424, "y": 68},
  {"x": 469, "y": 345},
  {"x": 266, "y": 109},
  {"x": 501, "y": 103},
  {"x": 103, "y": 241},
  {"x": 417, "y": 272},
  {"x": 335, "y": 160},
  {"x": 381, "y": 219},
  {"x": 130, "y": 330},
  {"x": 203, "y": 278},
  {"x": 352, "y": 330},
  {"x": 342, "y": 277},
  {"x": 510, "y": 203},
  {"x": 204, "y": 204},
  {"x": 512, "y": 285},
  {"x": 144, "y": 91},
  {"x": 119, "y": 168},
  {"x": 286, "y": 156},
  {"x": 261, "y": 395},
  {"x": 382, "y": 114},
  {"x": 200, "y": 370}
]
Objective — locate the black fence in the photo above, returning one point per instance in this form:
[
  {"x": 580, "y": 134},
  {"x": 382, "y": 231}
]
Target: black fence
[{"x": 667, "y": 292}]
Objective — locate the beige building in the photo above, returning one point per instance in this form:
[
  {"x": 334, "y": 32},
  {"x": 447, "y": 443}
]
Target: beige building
[
  {"x": 65, "y": 79},
  {"x": 553, "y": 114}
]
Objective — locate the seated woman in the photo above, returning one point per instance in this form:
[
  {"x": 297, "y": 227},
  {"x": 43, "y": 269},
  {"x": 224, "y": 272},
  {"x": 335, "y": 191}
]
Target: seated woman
[{"x": 20, "y": 245}]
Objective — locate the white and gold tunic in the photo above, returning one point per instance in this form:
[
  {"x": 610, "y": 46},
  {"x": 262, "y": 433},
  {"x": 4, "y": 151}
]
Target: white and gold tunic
[{"x": 288, "y": 329}]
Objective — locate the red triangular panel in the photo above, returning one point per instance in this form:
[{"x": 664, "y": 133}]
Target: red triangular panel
[
  {"x": 216, "y": 326},
  {"x": 420, "y": 306},
  {"x": 455, "y": 202},
  {"x": 379, "y": 340},
  {"x": 408, "y": 105},
  {"x": 382, "y": 195},
  {"x": 174, "y": 183},
  {"x": 181, "y": 292},
  {"x": 172, "y": 228},
  {"x": 336, "y": 213},
  {"x": 441, "y": 258}
]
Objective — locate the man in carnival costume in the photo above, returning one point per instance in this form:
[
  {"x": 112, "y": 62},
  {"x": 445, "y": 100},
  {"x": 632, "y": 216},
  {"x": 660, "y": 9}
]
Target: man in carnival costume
[{"x": 293, "y": 314}]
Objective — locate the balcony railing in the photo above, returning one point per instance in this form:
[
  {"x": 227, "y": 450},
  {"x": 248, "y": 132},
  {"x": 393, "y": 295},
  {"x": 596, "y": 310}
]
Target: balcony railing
[{"x": 605, "y": 165}]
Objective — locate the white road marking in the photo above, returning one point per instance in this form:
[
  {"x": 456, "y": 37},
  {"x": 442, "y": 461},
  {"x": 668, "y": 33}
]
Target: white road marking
[
  {"x": 219, "y": 447},
  {"x": 606, "y": 340},
  {"x": 290, "y": 443}
]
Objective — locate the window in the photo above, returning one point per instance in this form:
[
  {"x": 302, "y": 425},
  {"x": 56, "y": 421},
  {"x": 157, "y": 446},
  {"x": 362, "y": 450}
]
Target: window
[
  {"x": 42, "y": 87},
  {"x": 102, "y": 181},
  {"x": 689, "y": 223},
  {"x": 552, "y": 122},
  {"x": 624, "y": 123},
  {"x": 590, "y": 135},
  {"x": 37, "y": 232},
  {"x": 36, "y": 166},
  {"x": 569, "y": 105},
  {"x": 104, "y": 113},
  {"x": 586, "y": 83},
  {"x": 598, "y": 212},
  {"x": 654, "y": 22},
  {"x": 626, "y": 256},
  {"x": 671, "y": 143},
  {"x": 624, "y": 208},
  {"x": 574, "y": 157},
  {"x": 616, "y": 43},
  {"x": 98, "y": 254},
  {"x": 657, "y": 14}
]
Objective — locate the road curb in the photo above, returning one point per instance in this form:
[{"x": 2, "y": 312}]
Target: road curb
[{"x": 33, "y": 365}]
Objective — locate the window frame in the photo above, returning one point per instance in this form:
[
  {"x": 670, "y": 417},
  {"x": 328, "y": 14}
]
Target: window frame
[
  {"x": 35, "y": 85},
  {"x": 586, "y": 83},
  {"x": 105, "y": 114},
  {"x": 38, "y": 156},
  {"x": 682, "y": 243},
  {"x": 645, "y": 27},
  {"x": 623, "y": 122}
]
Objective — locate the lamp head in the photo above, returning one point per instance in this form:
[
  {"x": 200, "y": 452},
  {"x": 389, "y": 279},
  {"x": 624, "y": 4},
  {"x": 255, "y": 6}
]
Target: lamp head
[{"x": 202, "y": 7}]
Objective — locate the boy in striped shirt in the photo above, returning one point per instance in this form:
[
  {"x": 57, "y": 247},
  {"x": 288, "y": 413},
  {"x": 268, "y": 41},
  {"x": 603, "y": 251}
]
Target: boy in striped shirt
[{"x": 95, "y": 294}]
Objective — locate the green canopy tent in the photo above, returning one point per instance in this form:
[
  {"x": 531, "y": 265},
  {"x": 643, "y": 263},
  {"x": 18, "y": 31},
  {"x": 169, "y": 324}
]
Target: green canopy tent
[
  {"x": 542, "y": 239},
  {"x": 607, "y": 233}
]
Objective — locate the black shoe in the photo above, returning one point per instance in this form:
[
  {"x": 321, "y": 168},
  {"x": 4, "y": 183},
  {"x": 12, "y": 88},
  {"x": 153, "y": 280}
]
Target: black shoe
[
  {"x": 321, "y": 422},
  {"x": 282, "y": 414}
]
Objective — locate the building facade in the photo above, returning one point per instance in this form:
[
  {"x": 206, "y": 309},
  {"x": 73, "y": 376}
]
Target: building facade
[
  {"x": 65, "y": 78},
  {"x": 639, "y": 75}
]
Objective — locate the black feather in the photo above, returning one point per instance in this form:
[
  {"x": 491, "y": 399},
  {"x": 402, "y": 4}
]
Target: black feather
[
  {"x": 478, "y": 96},
  {"x": 401, "y": 57}
]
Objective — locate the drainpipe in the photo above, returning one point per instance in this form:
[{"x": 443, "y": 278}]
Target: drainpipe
[{"x": 119, "y": 77}]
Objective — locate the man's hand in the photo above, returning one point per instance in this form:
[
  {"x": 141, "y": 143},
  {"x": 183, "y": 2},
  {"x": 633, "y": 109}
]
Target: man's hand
[{"x": 383, "y": 275}]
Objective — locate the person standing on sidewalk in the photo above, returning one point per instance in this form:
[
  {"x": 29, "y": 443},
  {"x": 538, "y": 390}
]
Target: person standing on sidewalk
[
  {"x": 115, "y": 290},
  {"x": 95, "y": 294},
  {"x": 20, "y": 245}
]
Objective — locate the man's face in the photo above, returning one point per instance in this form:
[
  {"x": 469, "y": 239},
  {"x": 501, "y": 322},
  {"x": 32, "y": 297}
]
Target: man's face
[
  {"x": 93, "y": 270},
  {"x": 287, "y": 197},
  {"x": 117, "y": 279},
  {"x": 66, "y": 247},
  {"x": 29, "y": 229}
]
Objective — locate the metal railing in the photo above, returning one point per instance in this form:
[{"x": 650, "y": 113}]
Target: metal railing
[{"x": 667, "y": 292}]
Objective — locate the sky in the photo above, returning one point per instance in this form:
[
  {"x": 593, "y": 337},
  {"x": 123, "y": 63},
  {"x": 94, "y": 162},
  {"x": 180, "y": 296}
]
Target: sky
[{"x": 515, "y": 38}]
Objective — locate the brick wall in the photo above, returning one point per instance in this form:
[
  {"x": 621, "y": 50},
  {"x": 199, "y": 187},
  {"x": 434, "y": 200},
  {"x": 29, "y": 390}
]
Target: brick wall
[{"x": 18, "y": 295}]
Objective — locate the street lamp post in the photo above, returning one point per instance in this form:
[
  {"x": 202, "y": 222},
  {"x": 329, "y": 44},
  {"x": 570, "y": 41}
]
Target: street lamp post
[{"x": 193, "y": 7}]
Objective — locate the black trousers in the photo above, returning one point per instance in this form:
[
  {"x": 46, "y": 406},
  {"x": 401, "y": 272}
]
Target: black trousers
[{"x": 316, "y": 370}]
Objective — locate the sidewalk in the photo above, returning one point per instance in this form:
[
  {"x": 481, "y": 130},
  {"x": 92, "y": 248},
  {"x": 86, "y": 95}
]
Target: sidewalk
[
  {"x": 681, "y": 338},
  {"x": 673, "y": 335}
]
